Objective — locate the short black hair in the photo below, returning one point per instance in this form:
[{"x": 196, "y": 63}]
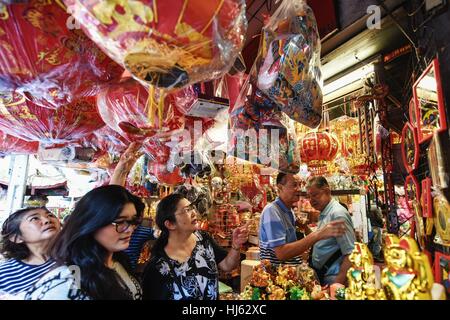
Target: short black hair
[
  {"x": 281, "y": 178},
  {"x": 318, "y": 181}
]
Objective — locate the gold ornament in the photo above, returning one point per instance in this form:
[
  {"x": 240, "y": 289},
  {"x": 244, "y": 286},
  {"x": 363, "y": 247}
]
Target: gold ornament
[{"x": 408, "y": 275}]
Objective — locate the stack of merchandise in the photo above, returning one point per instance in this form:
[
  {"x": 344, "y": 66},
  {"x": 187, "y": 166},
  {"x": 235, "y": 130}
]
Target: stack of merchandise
[{"x": 283, "y": 283}]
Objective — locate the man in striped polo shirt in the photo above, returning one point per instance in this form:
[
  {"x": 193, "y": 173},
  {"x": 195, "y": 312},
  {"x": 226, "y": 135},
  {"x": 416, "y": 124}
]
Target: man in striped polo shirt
[{"x": 277, "y": 237}]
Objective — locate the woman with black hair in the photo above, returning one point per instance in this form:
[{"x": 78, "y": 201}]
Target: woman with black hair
[
  {"x": 90, "y": 264},
  {"x": 25, "y": 238},
  {"x": 185, "y": 261}
]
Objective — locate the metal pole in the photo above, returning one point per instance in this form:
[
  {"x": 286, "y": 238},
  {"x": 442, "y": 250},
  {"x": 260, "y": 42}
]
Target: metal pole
[{"x": 17, "y": 182}]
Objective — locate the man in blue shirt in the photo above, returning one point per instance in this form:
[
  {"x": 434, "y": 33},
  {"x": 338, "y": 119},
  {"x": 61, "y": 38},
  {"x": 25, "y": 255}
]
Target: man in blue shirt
[
  {"x": 330, "y": 256},
  {"x": 277, "y": 237}
]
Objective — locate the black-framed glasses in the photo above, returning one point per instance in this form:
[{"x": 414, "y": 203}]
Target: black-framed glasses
[{"x": 123, "y": 226}]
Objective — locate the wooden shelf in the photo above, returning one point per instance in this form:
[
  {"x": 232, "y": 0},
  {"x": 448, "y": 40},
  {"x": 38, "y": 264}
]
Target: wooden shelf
[{"x": 339, "y": 192}]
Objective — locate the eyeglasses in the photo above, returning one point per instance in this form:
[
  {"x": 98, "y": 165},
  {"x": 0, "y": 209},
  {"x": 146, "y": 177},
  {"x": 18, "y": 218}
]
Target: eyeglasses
[
  {"x": 188, "y": 209},
  {"x": 123, "y": 226}
]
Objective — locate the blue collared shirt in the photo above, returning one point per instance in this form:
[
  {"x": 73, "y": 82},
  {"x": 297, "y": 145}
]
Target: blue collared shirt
[
  {"x": 324, "y": 249},
  {"x": 277, "y": 227}
]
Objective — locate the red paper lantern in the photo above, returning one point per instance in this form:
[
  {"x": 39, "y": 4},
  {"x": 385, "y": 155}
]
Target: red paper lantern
[
  {"x": 31, "y": 122},
  {"x": 13, "y": 145},
  {"x": 166, "y": 43},
  {"x": 41, "y": 58},
  {"x": 317, "y": 148}
]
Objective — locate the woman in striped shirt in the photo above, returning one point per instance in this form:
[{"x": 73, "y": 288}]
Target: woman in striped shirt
[{"x": 26, "y": 235}]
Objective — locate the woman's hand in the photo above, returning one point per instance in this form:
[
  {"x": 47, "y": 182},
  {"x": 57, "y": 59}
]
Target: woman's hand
[
  {"x": 240, "y": 236},
  {"x": 126, "y": 162}
]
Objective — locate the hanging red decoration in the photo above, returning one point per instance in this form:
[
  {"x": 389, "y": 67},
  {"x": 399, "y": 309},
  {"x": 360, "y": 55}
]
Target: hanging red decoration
[
  {"x": 166, "y": 43},
  {"x": 163, "y": 176},
  {"x": 318, "y": 148},
  {"x": 31, "y": 122},
  {"x": 44, "y": 56},
  {"x": 13, "y": 145}
]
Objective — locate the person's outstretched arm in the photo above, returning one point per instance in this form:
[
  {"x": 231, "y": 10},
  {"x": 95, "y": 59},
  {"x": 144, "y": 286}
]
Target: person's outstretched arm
[{"x": 126, "y": 162}]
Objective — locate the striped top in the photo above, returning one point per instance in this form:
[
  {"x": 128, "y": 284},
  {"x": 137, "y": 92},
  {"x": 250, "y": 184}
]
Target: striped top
[
  {"x": 277, "y": 227},
  {"x": 139, "y": 237},
  {"x": 16, "y": 276}
]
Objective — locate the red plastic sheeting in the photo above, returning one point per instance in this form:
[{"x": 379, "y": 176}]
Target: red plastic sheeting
[{"x": 45, "y": 60}]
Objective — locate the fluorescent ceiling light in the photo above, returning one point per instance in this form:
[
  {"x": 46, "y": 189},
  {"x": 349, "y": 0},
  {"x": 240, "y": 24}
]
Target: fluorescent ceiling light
[{"x": 349, "y": 78}]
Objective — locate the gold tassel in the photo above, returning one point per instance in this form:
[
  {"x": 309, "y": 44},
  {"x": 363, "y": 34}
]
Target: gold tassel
[
  {"x": 150, "y": 111},
  {"x": 160, "y": 108}
]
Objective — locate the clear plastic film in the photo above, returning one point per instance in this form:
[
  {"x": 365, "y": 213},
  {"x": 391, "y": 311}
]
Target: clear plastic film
[
  {"x": 140, "y": 114},
  {"x": 26, "y": 120},
  {"x": 12, "y": 145},
  {"x": 288, "y": 63},
  {"x": 46, "y": 58},
  {"x": 169, "y": 44}
]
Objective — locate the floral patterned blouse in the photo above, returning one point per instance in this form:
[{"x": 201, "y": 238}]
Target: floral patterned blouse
[{"x": 195, "y": 279}]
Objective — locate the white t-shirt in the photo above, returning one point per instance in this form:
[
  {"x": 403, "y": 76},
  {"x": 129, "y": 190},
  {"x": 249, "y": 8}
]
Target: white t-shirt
[{"x": 64, "y": 283}]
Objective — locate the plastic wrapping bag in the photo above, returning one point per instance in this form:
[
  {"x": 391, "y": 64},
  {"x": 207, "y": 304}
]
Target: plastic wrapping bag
[
  {"x": 13, "y": 145},
  {"x": 201, "y": 100},
  {"x": 287, "y": 68},
  {"x": 125, "y": 108},
  {"x": 160, "y": 174},
  {"x": 260, "y": 133},
  {"x": 44, "y": 58},
  {"x": 28, "y": 121},
  {"x": 169, "y": 44}
]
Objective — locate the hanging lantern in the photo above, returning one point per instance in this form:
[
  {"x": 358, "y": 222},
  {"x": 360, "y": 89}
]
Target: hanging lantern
[
  {"x": 31, "y": 122},
  {"x": 166, "y": 43},
  {"x": 317, "y": 149},
  {"x": 13, "y": 145},
  {"x": 46, "y": 58}
]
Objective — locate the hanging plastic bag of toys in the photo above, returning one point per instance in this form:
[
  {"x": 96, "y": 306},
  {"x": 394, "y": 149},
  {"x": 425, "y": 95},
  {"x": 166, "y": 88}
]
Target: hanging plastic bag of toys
[
  {"x": 170, "y": 43},
  {"x": 260, "y": 133},
  {"x": 28, "y": 121},
  {"x": 46, "y": 58},
  {"x": 288, "y": 63}
]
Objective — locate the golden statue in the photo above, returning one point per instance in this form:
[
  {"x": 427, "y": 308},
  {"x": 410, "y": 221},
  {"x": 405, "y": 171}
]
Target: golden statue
[
  {"x": 408, "y": 274},
  {"x": 361, "y": 276}
]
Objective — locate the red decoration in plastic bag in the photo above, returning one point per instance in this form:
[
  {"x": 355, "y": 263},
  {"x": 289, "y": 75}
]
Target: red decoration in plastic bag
[
  {"x": 124, "y": 108},
  {"x": 13, "y": 145},
  {"x": 160, "y": 172},
  {"x": 41, "y": 58},
  {"x": 31, "y": 122},
  {"x": 166, "y": 43}
]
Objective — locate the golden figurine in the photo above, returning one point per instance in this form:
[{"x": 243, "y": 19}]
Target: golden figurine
[
  {"x": 408, "y": 274},
  {"x": 361, "y": 276}
]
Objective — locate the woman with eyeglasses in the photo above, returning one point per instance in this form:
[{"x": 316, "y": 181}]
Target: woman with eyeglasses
[
  {"x": 185, "y": 261},
  {"x": 25, "y": 238},
  {"x": 90, "y": 264}
]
